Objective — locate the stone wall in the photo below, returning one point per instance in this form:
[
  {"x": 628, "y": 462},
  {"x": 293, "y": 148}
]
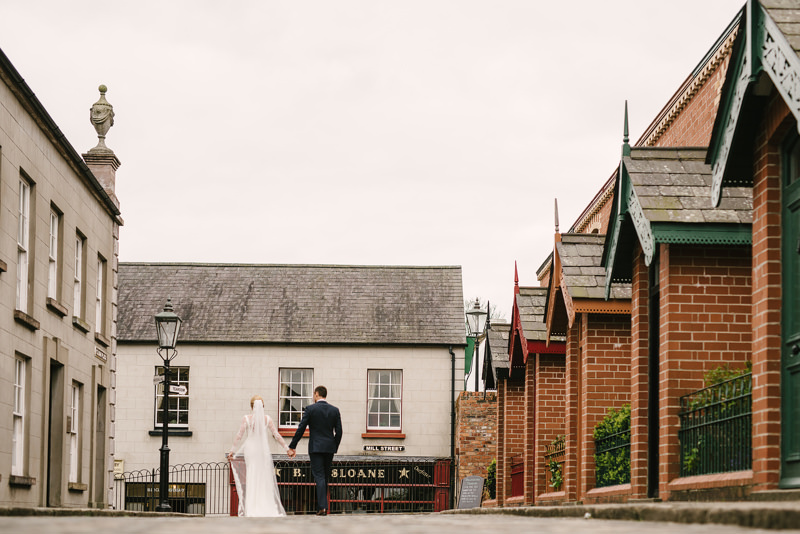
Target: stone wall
[{"x": 476, "y": 433}]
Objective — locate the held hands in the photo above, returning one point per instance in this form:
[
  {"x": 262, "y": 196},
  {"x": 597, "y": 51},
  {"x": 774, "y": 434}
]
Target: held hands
[{"x": 291, "y": 453}]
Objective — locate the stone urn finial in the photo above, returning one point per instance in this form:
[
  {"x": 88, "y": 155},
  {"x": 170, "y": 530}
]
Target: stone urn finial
[{"x": 102, "y": 116}]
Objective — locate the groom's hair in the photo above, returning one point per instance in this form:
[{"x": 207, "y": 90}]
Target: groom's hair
[{"x": 322, "y": 391}]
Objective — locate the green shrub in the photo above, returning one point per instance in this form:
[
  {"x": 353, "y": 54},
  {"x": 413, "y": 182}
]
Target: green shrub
[
  {"x": 556, "y": 467},
  {"x": 490, "y": 484},
  {"x": 614, "y": 467}
]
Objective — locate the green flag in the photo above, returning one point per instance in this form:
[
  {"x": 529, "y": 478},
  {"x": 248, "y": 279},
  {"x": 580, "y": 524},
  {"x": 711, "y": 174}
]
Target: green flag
[{"x": 469, "y": 351}]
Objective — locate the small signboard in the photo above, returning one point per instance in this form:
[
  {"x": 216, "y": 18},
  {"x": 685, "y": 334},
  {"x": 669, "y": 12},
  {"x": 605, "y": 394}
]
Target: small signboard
[
  {"x": 471, "y": 492},
  {"x": 385, "y": 448},
  {"x": 157, "y": 379},
  {"x": 177, "y": 389}
]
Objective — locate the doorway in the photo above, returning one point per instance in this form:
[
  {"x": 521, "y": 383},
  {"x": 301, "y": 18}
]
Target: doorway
[{"x": 55, "y": 434}]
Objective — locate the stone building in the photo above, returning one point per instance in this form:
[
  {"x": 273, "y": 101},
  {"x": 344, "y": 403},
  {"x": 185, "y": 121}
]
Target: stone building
[
  {"x": 383, "y": 340},
  {"x": 60, "y": 222}
]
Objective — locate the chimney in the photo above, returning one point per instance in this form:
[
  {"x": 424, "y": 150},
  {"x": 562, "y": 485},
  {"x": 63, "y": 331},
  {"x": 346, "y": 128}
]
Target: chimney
[{"x": 101, "y": 160}]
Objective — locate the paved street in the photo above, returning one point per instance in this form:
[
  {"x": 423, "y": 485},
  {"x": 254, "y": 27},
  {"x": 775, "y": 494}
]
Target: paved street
[{"x": 357, "y": 524}]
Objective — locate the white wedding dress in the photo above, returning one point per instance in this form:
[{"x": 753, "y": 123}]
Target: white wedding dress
[{"x": 253, "y": 469}]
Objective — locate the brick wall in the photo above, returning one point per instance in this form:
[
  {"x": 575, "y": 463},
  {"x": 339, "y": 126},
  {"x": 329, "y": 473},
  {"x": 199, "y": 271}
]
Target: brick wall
[
  {"x": 767, "y": 299},
  {"x": 640, "y": 332},
  {"x": 572, "y": 378},
  {"x": 605, "y": 382},
  {"x": 476, "y": 433},
  {"x": 550, "y": 412},
  {"x": 705, "y": 321},
  {"x": 529, "y": 446},
  {"x": 513, "y": 436},
  {"x": 693, "y": 120}
]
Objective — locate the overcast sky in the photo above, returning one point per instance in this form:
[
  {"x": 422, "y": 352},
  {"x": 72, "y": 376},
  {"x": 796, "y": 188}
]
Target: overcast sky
[{"x": 433, "y": 132}]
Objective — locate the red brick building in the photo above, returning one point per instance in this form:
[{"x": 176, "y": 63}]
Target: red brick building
[
  {"x": 755, "y": 144},
  {"x": 711, "y": 286},
  {"x": 597, "y": 332}
]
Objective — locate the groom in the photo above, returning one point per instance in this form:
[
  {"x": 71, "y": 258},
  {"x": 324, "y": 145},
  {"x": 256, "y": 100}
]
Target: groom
[{"x": 325, "y": 428}]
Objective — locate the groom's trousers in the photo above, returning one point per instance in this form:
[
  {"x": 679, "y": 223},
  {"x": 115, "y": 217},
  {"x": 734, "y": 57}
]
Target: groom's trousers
[{"x": 321, "y": 463}]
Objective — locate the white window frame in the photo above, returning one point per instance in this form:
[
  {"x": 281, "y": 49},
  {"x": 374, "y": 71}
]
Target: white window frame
[
  {"x": 178, "y": 376},
  {"x": 74, "y": 432},
  {"x": 100, "y": 295},
  {"x": 52, "y": 273},
  {"x": 23, "y": 244},
  {"x": 295, "y": 393},
  {"x": 384, "y": 399},
  {"x": 77, "y": 291},
  {"x": 19, "y": 414}
]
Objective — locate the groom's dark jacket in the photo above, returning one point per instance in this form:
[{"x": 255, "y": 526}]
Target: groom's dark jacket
[{"x": 325, "y": 428}]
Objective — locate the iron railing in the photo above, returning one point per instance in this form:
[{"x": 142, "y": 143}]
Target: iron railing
[
  {"x": 612, "y": 459},
  {"x": 357, "y": 485},
  {"x": 196, "y": 488},
  {"x": 716, "y": 428}
]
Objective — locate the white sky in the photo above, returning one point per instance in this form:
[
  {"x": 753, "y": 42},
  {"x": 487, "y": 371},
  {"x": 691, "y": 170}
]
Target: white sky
[{"x": 433, "y": 132}]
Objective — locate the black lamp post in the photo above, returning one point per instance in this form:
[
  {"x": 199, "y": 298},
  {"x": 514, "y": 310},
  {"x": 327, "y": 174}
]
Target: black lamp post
[
  {"x": 167, "y": 325},
  {"x": 476, "y": 322}
]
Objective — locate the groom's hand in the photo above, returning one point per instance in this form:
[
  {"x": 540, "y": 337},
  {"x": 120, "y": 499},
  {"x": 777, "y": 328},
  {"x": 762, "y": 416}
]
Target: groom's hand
[{"x": 291, "y": 453}]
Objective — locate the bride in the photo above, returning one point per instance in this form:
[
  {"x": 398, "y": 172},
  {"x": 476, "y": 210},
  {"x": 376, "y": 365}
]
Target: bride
[{"x": 251, "y": 462}]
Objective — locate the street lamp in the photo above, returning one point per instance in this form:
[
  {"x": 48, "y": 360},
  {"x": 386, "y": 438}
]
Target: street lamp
[
  {"x": 168, "y": 324},
  {"x": 476, "y": 323}
]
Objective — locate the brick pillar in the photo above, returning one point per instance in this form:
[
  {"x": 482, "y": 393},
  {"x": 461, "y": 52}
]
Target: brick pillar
[
  {"x": 572, "y": 387},
  {"x": 767, "y": 298},
  {"x": 501, "y": 443},
  {"x": 639, "y": 375},
  {"x": 529, "y": 443}
]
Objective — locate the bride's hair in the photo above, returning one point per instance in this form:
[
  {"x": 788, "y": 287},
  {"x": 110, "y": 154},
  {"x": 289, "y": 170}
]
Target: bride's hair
[{"x": 254, "y": 398}]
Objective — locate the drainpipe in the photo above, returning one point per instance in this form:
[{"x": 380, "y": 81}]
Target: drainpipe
[{"x": 452, "y": 426}]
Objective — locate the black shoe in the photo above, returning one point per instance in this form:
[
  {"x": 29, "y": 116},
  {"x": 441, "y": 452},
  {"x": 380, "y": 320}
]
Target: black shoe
[{"x": 322, "y": 512}]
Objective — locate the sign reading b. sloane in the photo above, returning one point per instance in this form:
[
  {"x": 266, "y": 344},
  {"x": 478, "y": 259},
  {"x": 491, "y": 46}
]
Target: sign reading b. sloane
[{"x": 366, "y": 473}]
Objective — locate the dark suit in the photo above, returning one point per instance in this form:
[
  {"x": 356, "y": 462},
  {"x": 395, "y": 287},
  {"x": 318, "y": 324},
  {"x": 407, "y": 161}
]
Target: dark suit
[{"x": 325, "y": 433}]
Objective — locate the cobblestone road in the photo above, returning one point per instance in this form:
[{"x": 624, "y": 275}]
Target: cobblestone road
[{"x": 357, "y": 524}]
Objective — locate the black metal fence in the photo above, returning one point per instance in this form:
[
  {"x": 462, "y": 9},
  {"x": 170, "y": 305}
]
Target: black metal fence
[
  {"x": 612, "y": 458},
  {"x": 357, "y": 485},
  {"x": 716, "y": 428},
  {"x": 196, "y": 488}
]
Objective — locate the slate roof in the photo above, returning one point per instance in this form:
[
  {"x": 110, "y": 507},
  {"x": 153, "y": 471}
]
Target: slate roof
[
  {"x": 674, "y": 185},
  {"x": 581, "y": 256},
  {"x": 531, "y": 302},
  {"x": 498, "y": 337},
  {"x": 786, "y": 15},
  {"x": 237, "y": 303}
]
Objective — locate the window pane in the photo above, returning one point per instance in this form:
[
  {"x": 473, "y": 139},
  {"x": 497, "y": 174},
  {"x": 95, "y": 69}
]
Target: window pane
[{"x": 384, "y": 394}]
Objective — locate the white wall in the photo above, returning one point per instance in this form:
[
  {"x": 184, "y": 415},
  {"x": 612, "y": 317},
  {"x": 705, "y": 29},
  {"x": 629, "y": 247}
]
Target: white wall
[{"x": 223, "y": 378}]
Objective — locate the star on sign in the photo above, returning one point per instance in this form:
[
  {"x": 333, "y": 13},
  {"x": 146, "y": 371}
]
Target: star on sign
[{"x": 404, "y": 473}]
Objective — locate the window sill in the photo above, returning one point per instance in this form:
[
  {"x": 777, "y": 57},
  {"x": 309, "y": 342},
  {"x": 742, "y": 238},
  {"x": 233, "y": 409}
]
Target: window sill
[
  {"x": 20, "y": 481},
  {"x": 55, "y": 307},
  {"x": 26, "y": 320},
  {"x": 101, "y": 339},
  {"x": 383, "y": 435},
  {"x": 180, "y": 432},
  {"x": 77, "y": 486},
  {"x": 289, "y": 432},
  {"x": 80, "y": 324}
]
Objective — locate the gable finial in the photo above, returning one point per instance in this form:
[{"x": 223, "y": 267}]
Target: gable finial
[
  {"x": 556, "y": 214},
  {"x": 516, "y": 278},
  {"x": 626, "y": 148}
]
